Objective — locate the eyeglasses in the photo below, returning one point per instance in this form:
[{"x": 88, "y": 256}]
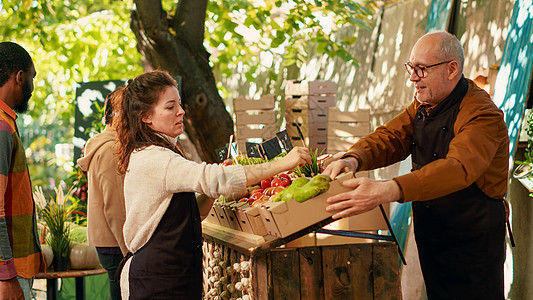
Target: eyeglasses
[{"x": 421, "y": 71}]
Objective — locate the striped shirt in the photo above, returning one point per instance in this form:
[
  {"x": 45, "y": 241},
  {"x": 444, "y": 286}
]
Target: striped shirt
[{"x": 19, "y": 247}]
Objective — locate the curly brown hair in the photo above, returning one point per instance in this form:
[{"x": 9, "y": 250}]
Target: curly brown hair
[{"x": 135, "y": 101}]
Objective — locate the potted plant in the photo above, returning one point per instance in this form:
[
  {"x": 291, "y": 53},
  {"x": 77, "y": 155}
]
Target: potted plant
[{"x": 55, "y": 216}]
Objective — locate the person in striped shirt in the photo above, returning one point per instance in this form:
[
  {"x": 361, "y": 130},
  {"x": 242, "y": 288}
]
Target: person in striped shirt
[{"x": 20, "y": 253}]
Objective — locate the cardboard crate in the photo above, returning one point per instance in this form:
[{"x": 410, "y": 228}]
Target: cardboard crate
[
  {"x": 255, "y": 220},
  {"x": 264, "y": 103},
  {"x": 245, "y": 224},
  {"x": 282, "y": 219},
  {"x": 232, "y": 218},
  {"x": 267, "y": 117},
  {"x": 304, "y": 87},
  {"x": 221, "y": 215},
  {"x": 212, "y": 217}
]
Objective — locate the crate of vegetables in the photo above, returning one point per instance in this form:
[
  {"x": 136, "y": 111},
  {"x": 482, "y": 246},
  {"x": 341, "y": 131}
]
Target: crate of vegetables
[{"x": 301, "y": 207}]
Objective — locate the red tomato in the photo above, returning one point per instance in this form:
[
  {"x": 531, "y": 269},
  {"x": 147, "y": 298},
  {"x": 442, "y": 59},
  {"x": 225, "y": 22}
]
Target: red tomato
[
  {"x": 283, "y": 175},
  {"x": 281, "y": 181},
  {"x": 268, "y": 191},
  {"x": 257, "y": 191},
  {"x": 243, "y": 199},
  {"x": 227, "y": 162},
  {"x": 257, "y": 195},
  {"x": 266, "y": 183},
  {"x": 277, "y": 190}
]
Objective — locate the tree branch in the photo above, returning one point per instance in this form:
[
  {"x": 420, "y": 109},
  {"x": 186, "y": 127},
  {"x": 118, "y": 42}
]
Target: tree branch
[{"x": 189, "y": 22}]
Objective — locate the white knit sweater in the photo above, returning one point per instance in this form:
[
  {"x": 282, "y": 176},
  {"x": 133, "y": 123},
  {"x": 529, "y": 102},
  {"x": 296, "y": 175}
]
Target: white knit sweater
[{"x": 154, "y": 174}]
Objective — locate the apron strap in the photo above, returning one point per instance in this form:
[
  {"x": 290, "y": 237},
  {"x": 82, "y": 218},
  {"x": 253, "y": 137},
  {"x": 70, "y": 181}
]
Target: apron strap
[{"x": 121, "y": 266}]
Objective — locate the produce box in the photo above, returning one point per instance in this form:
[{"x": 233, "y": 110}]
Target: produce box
[
  {"x": 253, "y": 214},
  {"x": 222, "y": 218},
  {"x": 282, "y": 219},
  {"x": 212, "y": 217},
  {"x": 245, "y": 224}
]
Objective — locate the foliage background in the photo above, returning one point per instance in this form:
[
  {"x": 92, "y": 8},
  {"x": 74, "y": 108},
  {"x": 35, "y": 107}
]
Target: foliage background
[{"x": 80, "y": 41}]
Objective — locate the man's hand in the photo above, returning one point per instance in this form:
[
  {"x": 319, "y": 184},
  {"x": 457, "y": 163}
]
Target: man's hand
[
  {"x": 348, "y": 164},
  {"x": 10, "y": 289},
  {"x": 365, "y": 196}
]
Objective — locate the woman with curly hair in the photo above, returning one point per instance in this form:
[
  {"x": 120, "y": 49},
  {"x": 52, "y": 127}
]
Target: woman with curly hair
[{"x": 163, "y": 215}]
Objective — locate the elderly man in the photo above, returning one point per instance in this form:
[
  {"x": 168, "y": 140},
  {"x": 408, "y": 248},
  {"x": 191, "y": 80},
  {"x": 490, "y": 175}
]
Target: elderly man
[
  {"x": 20, "y": 255},
  {"x": 458, "y": 142}
]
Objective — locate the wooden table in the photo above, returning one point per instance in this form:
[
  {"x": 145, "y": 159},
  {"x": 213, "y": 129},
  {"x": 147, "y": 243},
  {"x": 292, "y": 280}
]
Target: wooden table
[{"x": 51, "y": 281}]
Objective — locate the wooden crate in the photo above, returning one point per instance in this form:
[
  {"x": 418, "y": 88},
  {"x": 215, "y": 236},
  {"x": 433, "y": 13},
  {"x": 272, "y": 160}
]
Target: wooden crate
[
  {"x": 266, "y": 102},
  {"x": 346, "y": 128},
  {"x": 316, "y": 87},
  {"x": 352, "y": 271},
  {"x": 255, "y": 120},
  {"x": 311, "y": 102},
  {"x": 255, "y": 117},
  {"x": 340, "y": 144},
  {"x": 335, "y": 115}
]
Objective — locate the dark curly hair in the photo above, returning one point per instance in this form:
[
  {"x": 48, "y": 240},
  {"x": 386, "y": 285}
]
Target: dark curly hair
[
  {"x": 135, "y": 101},
  {"x": 13, "y": 58}
]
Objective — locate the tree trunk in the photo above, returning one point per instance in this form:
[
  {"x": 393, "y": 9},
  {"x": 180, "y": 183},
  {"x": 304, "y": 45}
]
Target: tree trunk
[{"x": 176, "y": 45}]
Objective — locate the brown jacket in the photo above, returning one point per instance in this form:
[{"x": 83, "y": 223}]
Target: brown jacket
[
  {"x": 106, "y": 210},
  {"x": 478, "y": 152}
]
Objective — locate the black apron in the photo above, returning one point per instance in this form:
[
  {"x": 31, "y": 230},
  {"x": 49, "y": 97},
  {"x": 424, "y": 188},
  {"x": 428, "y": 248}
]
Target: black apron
[
  {"x": 169, "y": 266},
  {"x": 461, "y": 236}
]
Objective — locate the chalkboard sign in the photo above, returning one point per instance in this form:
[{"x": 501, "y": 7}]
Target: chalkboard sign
[
  {"x": 271, "y": 148},
  {"x": 222, "y": 153},
  {"x": 253, "y": 150},
  {"x": 285, "y": 140}
]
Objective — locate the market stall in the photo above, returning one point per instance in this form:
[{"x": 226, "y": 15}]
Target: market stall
[{"x": 272, "y": 257}]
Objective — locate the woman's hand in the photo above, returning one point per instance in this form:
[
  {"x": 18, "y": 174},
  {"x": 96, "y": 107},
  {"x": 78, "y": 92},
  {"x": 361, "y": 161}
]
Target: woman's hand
[{"x": 298, "y": 156}]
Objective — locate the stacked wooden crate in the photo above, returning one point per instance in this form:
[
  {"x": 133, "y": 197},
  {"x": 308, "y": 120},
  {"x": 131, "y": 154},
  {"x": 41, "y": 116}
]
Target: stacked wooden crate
[
  {"x": 345, "y": 128},
  {"x": 255, "y": 120},
  {"x": 306, "y": 105}
]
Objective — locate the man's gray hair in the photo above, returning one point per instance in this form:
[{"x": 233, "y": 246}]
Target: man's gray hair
[{"x": 450, "y": 48}]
